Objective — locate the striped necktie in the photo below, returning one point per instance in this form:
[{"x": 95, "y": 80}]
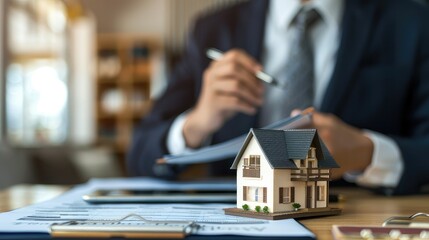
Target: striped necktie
[{"x": 298, "y": 74}]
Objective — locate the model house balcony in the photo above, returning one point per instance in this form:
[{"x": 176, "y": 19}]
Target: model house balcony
[
  {"x": 310, "y": 175},
  {"x": 249, "y": 172}
]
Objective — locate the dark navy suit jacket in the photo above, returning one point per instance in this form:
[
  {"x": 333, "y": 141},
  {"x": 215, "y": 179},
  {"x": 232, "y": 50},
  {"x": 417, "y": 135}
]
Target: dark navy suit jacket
[{"x": 380, "y": 81}]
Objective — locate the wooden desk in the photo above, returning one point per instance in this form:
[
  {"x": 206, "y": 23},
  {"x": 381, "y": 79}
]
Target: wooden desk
[
  {"x": 365, "y": 208},
  {"x": 360, "y": 207}
]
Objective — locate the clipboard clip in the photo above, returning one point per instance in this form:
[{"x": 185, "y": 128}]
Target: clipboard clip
[
  {"x": 124, "y": 227},
  {"x": 403, "y": 220}
]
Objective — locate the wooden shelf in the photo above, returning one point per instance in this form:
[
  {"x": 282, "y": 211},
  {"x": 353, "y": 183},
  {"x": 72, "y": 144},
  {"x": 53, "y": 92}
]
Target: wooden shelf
[{"x": 122, "y": 87}]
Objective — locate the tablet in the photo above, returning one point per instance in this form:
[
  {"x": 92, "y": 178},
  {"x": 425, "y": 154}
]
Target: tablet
[{"x": 161, "y": 196}]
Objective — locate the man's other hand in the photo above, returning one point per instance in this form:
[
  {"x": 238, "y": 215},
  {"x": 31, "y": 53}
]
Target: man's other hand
[{"x": 348, "y": 145}]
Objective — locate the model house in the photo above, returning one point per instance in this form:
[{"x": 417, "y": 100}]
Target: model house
[{"x": 277, "y": 168}]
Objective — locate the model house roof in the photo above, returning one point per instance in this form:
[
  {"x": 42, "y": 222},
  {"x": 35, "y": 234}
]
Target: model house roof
[{"x": 281, "y": 147}]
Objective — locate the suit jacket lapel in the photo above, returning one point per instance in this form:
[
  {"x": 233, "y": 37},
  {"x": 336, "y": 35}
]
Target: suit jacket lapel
[
  {"x": 356, "y": 27},
  {"x": 250, "y": 37},
  {"x": 252, "y": 22}
]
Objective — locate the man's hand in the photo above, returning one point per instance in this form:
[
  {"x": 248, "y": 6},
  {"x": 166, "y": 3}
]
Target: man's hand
[
  {"x": 229, "y": 87},
  {"x": 348, "y": 145}
]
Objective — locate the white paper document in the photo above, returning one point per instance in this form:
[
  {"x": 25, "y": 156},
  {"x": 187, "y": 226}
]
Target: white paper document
[{"x": 210, "y": 217}]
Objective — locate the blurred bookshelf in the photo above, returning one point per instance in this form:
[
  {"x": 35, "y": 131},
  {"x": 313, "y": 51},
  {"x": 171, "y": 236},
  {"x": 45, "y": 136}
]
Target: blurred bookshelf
[{"x": 123, "y": 84}]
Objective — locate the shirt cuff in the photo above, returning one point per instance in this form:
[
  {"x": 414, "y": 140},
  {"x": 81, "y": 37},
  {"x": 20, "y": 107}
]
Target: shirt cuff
[
  {"x": 176, "y": 143},
  {"x": 386, "y": 165}
]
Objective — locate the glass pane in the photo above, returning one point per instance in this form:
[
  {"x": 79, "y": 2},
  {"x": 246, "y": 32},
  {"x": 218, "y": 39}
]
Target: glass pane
[
  {"x": 36, "y": 102},
  {"x": 36, "y": 74}
]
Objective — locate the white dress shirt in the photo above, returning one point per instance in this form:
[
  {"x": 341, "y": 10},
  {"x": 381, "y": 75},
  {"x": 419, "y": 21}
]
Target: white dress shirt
[{"x": 386, "y": 166}]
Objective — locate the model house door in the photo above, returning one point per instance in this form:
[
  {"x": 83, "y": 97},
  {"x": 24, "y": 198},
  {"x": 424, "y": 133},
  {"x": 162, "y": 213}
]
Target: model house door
[{"x": 309, "y": 194}]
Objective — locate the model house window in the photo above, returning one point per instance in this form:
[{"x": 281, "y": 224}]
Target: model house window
[
  {"x": 312, "y": 152},
  {"x": 255, "y": 161},
  {"x": 251, "y": 167},
  {"x": 252, "y": 163},
  {"x": 255, "y": 194},
  {"x": 246, "y": 162},
  {"x": 286, "y": 194},
  {"x": 320, "y": 193}
]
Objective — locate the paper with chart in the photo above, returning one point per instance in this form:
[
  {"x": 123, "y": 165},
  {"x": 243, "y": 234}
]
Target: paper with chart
[
  {"x": 210, "y": 217},
  {"x": 230, "y": 148}
]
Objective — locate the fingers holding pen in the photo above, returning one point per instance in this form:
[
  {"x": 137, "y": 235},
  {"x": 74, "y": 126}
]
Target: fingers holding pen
[
  {"x": 244, "y": 59},
  {"x": 229, "y": 87},
  {"x": 235, "y": 97},
  {"x": 233, "y": 77},
  {"x": 245, "y": 67}
]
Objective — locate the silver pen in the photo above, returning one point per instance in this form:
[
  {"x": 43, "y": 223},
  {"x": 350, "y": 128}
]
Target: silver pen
[{"x": 216, "y": 54}]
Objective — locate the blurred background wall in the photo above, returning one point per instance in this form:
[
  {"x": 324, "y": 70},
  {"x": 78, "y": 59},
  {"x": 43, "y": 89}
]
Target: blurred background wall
[{"x": 77, "y": 76}]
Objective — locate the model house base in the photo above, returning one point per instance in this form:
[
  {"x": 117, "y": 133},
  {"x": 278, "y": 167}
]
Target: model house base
[{"x": 301, "y": 213}]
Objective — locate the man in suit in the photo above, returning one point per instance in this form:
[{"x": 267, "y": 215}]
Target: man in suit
[{"x": 371, "y": 86}]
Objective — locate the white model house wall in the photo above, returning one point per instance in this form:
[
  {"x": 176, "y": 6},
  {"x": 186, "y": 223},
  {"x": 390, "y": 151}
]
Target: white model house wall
[{"x": 265, "y": 179}]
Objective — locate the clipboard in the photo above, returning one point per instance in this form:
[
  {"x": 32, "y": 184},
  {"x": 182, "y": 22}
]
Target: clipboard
[
  {"x": 415, "y": 227},
  {"x": 125, "y": 227}
]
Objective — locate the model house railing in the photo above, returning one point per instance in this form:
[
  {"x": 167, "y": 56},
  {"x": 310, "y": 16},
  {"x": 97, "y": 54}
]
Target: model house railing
[
  {"x": 248, "y": 172},
  {"x": 310, "y": 175},
  {"x": 252, "y": 166}
]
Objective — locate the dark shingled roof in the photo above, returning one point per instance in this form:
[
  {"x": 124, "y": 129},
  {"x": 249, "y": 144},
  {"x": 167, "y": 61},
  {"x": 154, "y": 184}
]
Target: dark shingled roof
[
  {"x": 298, "y": 143},
  {"x": 282, "y": 146},
  {"x": 328, "y": 161},
  {"x": 272, "y": 143}
]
